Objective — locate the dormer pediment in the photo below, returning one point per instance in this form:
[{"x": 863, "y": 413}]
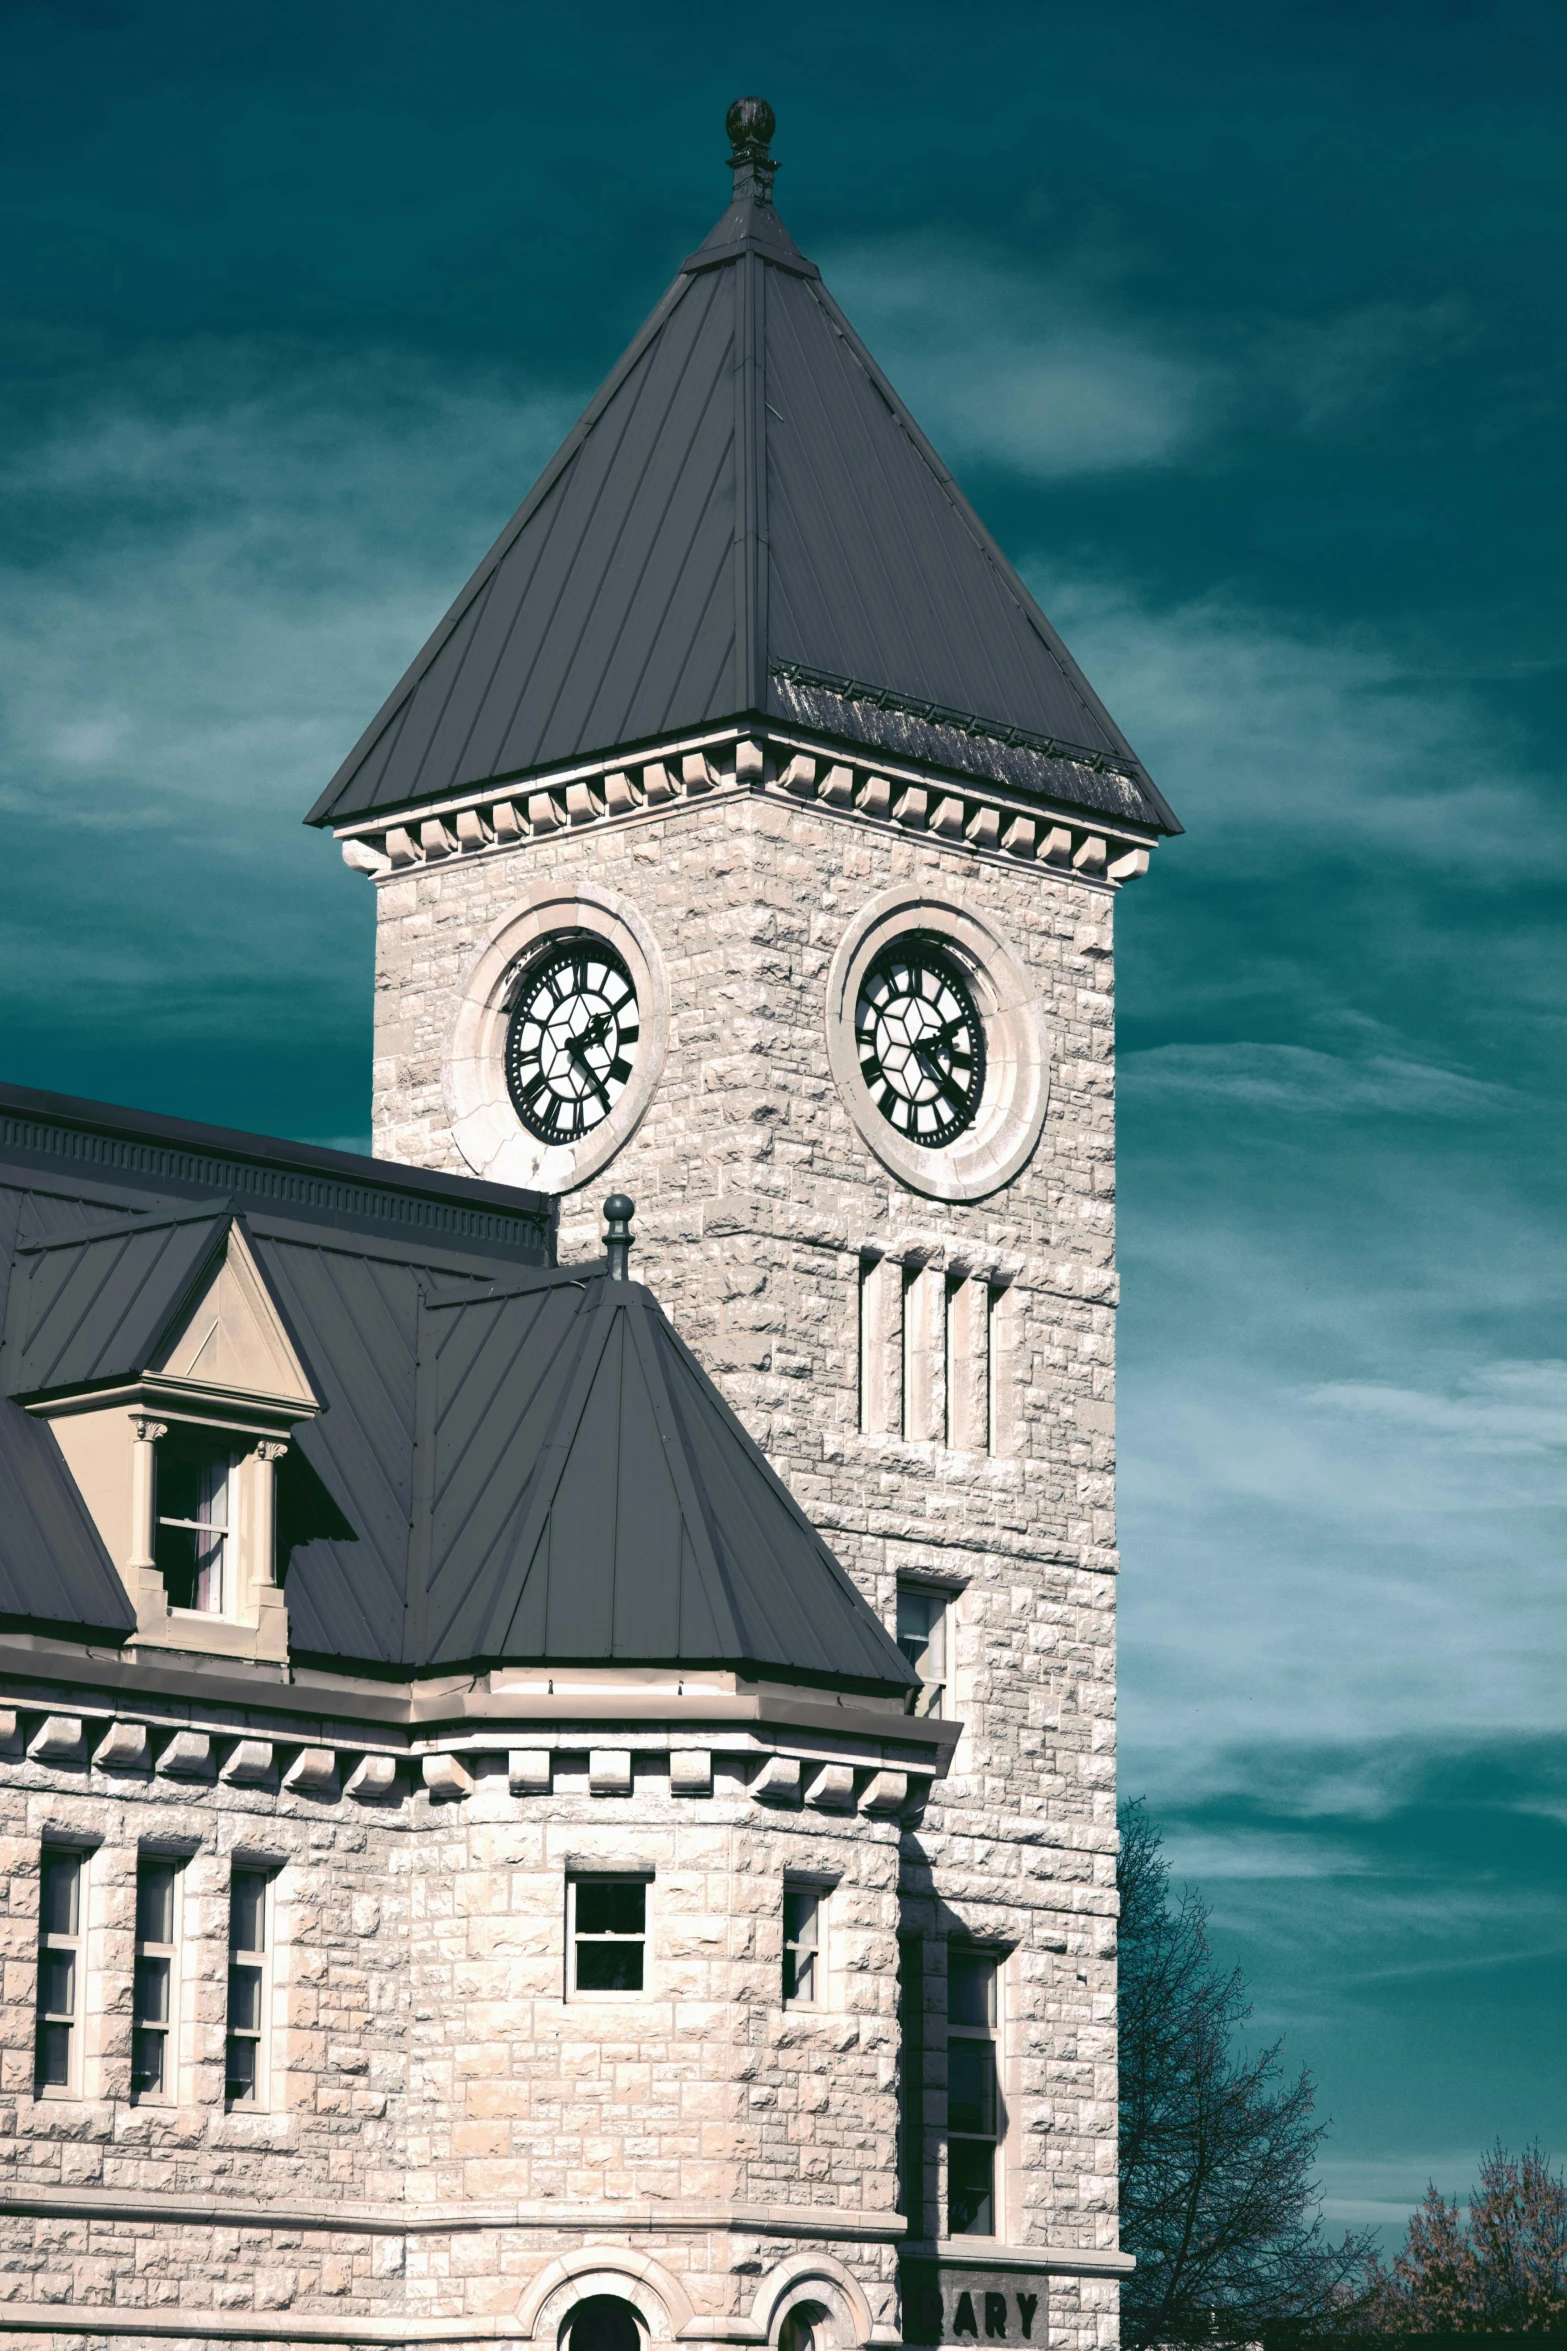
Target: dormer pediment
[
  {"x": 159, "y": 1307},
  {"x": 233, "y": 1341}
]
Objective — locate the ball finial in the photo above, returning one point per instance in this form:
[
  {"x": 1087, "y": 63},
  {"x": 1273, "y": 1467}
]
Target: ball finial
[
  {"x": 750, "y": 123},
  {"x": 618, "y": 1212}
]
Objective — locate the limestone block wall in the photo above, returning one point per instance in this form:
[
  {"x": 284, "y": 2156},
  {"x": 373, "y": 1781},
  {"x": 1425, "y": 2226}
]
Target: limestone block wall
[
  {"x": 760, "y": 1209},
  {"x": 448, "y": 2141}
]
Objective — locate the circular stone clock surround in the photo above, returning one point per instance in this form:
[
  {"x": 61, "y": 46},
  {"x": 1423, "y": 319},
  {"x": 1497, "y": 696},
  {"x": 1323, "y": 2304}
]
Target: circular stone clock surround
[
  {"x": 484, "y": 1125},
  {"x": 1012, "y": 1105}
]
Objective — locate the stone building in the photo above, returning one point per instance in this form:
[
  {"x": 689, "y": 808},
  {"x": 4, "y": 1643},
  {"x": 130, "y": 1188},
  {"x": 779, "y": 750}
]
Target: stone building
[{"x": 548, "y": 1807}]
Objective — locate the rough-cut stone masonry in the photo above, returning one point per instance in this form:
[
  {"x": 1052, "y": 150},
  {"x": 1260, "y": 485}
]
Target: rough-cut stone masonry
[
  {"x": 441, "y": 2124},
  {"x": 758, "y": 1206}
]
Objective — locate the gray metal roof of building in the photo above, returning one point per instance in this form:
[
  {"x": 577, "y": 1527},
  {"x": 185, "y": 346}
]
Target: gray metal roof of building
[
  {"x": 511, "y": 1463},
  {"x": 745, "y": 499}
]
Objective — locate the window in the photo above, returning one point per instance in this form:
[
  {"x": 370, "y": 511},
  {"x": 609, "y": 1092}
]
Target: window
[
  {"x": 61, "y": 1875},
  {"x": 198, "y": 1485},
  {"x": 998, "y": 1438},
  {"x": 802, "y": 1952},
  {"x": 881, "y": 1346},
  {"x": 250, "y": 1901},
  {"x": 922, "y": 1636},
  {"x": 605, "y": 2323},
  {"x": 607, "y": 1934},
  {"x": 154, "y": 1991},
  {"x": 911, "y": 2082},
  {"x": 805, "y": 2328},
  {"x": 973, "y": 2100}
]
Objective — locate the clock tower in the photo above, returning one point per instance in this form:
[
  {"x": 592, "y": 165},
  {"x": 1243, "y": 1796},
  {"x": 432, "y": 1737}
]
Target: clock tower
[{"x": 745, "y": 839}]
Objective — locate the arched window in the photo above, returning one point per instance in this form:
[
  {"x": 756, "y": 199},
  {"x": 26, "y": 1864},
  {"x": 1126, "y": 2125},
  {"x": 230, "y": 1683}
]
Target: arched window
[
  {"x": 605, "y": 2323},
  {"x": 806, "y": 2327}
]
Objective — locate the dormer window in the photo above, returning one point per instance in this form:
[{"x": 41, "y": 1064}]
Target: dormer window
[
  {"x": 172, "y": 1420},
  {"x": 197, "y": 1498}
]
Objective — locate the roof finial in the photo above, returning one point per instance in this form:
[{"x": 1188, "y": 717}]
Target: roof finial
[
  {"x": 751, "y": 123},
  {"x": 618, "y": 1212}
]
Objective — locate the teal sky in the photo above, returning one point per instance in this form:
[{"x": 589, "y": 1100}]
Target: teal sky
[{"x": 1243, "y": 325}]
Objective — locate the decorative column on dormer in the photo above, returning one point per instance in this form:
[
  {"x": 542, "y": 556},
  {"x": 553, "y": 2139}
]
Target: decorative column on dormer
[
  {"x": 266, "y": 1597},
  {"x": 144, "y": 1491},
  {"x": 147, "y": 1591}
]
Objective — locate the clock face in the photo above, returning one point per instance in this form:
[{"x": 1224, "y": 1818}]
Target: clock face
[
  {"x": 921, "y": 1043},
  {"x": 572, "y": 1040}
]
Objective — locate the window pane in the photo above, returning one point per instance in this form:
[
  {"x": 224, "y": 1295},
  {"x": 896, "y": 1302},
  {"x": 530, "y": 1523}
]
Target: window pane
[
  {"x": 970, "y": 2189},
  {"x": 247, "y": 1910},
  {"x": 57, "y": 1983},
  {"x": 611, "y": 1906},
  {"x": 211, "y": 1556},
  {"x": 799, "y": 1975},
  {"x": 175, "y": 1552},
  {"x": 240, "y": 2086},
  {"x": 152, "y": 1991},
  {"x": 147, "y": 2055},
  {"x": 213, "y": 1508},
  {"x": 609, "y": 1967},
  {"x": 155, "y": 1902},
  {"x": 244, "y": 1999},
  {"x": 971, "y": 1989},
  {"x": 59, "y": 1895},
  {"x": 179, "y": 1482},
  {"x": 971, "y": 2087},
  {"x": 54, "y": 2056},
  {"x": 918, "y": 1612},
  {"x": 800, "y": 1909}
]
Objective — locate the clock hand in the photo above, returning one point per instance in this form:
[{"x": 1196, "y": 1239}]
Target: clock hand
[{"x": 592, "y": 1075}]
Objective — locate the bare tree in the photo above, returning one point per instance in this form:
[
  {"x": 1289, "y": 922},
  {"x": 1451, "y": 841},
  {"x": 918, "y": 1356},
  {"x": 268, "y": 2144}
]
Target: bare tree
[
  {"x": 1218, "y": 2148},
  {"x": 1504, "y": 2271}
]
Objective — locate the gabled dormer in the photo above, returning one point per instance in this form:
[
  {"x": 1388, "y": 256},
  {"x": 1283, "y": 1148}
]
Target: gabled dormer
[{"x": 160, "y": 1359}]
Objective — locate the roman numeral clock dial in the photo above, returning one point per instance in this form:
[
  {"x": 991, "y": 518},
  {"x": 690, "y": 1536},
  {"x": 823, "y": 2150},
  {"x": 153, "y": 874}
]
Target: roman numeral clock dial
[
  {"x": 921, "y": 1043},
  {"x": 573, "y": 1039}
]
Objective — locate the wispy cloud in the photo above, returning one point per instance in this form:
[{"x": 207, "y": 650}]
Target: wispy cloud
[
  {"x": 1296, "y": 1079},
  {"x": 1031, "y": 370},
  {"x": 227, "y": 553},
  {"x": 1332, "y": 738},
  {"x": 1052, "y": 367}
]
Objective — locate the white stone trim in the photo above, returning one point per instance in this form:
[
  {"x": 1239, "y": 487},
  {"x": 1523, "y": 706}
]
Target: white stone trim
[
  {"x": 658, "y": 2298},
  {"x": 787, "y": 2284},
  {"x": 1017, "y": 1052},
  {"x": 484, "y": 1125},
  {"x": 352, "y": 2218},
  {"x": 991, "y": 822}
]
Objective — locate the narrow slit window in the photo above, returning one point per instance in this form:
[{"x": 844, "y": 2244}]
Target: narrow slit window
[
  {"x": 198, "y": 1485},
  {"x": 58, "y": 2048},
  {"x": 250, "y": 1941},
  {"x": 865, "y": 1307},
  {"x": 909, "y": 1381},
  {"x": 995, "y": 1330},
  {"x": 973, "y": 2093},
  {"x": 955, "y": 1367},
  {"x": 154, "y": 1991},
  {"x": 608, "y": 1937},
  {"x": 802, "y": 1946}
]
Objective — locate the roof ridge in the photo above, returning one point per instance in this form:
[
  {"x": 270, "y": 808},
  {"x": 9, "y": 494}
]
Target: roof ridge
[{"x": 129, "y": 1222}]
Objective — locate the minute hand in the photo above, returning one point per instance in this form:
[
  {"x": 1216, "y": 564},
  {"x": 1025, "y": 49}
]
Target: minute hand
[{"x": 574, "y": 1048}]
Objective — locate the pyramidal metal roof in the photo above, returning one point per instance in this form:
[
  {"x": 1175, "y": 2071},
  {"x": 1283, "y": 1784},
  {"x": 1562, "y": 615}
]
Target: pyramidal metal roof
[
  {"x": 509, "y": 1463},
  {"x": 745, "y": 523}
]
